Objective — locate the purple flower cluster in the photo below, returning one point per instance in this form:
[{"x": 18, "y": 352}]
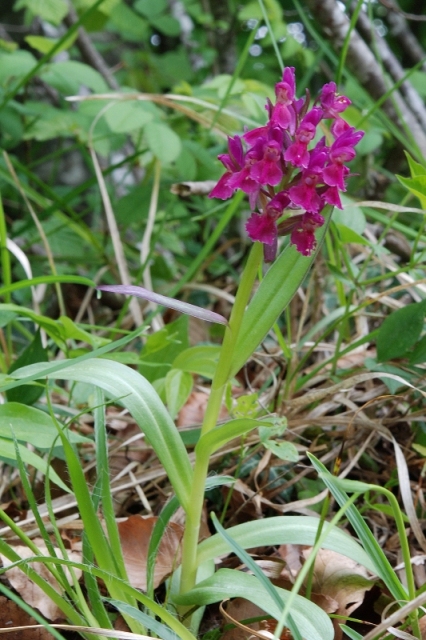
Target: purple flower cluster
[{"x": 282, "y": 172}]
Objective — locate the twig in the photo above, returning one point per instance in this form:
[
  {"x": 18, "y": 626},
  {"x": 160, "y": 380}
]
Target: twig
[
  {"x": 360, "y": 59},
  {"x": 393, "y": 66},
  {"x": 157, "y": 321},
  {"x": 408, "y": 16},
  {"x": 89, "y": 53},
  {"x": 400, "y": 29},
  {"x": 115, "y": 237}
]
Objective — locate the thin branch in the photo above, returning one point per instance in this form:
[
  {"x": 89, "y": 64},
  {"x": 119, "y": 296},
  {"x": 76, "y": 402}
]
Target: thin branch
[
  {"x": 408, "y": 16},
  {"x": 393, "y": 66},
  {"x": 401, "y": 30},
  {"x": 89, "y": 53},
  {"x": 360, "y": 60},
  {"x": 157, "y": 321},
  {"x": 115, "y": 237}
]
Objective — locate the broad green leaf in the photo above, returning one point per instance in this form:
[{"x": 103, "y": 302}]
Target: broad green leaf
[
  {"x": 6, "y": 317},
  {"x": 283, "y": 450},
  {"x": 166, "y": 24},
  {"x": 35, "y": 352},
  {"x": 419, "y": 352},
  {"x": 52, "y": 328},
  {"x": 72, "y": 331},
  {"x": 11, "y": 126},
  {"x": 351, "y": 216},
  {"x": 105, "y": 7},
  {"x": 284, "y": 530},
  {"x": 32, "y": 426},
  {"x": 313, "y": 622},
  {"x": 69, "y": 76},
  {"x": 178, "y": 386},
  {"x": 59, "y": 330},
  {"x": 8, "y": 452},
  {"x": 50, "y": 122},
  {"x": 416, "y": 186},
  {"x": 45, "y": 45},
  {"x": 349, "y": 235},
  {"x": 53, "y": 11},
  {"x": 125, "y": 116},
  {"x": 201, "y": 360},
  {"x": 416, "y": 169},
  {"x": 164, "y": 143},
  {"x": 162, "y": 347},
  {"x": 275, "y": 292},
  {"x": 150, "y": 9},
  {"x": 400, "y": 330},
  {"x": 138, "y": 396},
  {"x": 131, "y": 26},
  {"x": 220, "y": 435},
  {"x": 15, "y": 65}
]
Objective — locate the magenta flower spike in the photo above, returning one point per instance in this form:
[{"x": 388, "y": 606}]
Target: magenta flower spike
[{"x": 288, "y": 173}]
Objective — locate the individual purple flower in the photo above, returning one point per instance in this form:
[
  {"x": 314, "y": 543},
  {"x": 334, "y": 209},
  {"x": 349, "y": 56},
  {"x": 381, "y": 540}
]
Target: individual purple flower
[
  {"x": 331, "y": 102},
  {"x": 283, "y": 115},
  {"x": 305, "y": 193},
  {"x": 262, "y": 227},
  {"x": 297, "y": 153},
  {"x": 233, "y": 162},
  {"x": 303, "y": 236},
  {"x": 267, "y": 152},
  {"x": 338, "y": 127},
  {"x": 330, "y": 195},
  {"x": 341, "y": 151}
]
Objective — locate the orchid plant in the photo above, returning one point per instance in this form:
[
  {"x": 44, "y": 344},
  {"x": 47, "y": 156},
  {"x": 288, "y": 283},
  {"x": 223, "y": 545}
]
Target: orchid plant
[
  {"x": 293, "y": 170},
  {"x": 293, "y": 176}
]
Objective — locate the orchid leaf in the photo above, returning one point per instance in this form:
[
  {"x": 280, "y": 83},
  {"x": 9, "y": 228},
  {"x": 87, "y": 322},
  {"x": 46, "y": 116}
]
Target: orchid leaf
[
  {"x": 312, "y": 622},
  {"x": 165, "y": 301},
  {"x": 134, "y": 392},
  {"x": 284, "y": 530},
  {"x": 275, "y": 292}
]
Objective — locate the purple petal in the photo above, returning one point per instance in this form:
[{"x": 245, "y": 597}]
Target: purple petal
[
  {"x": 222, "y": 190},
  {"x": 261, "y": 228},
  {"x": 171, "y": 303}
]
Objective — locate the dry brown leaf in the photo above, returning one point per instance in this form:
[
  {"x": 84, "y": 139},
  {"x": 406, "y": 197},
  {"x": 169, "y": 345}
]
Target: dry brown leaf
[
  {"x": 192, "y": 413},
  {"x": 341, "y": 579},
  {"x": 11, "y": 616},
  {"x": 239, "y": 610},
  {"x": 28, "y": 590},
  {"x": 422, "y": 625},
  {"x": 339, "y": 583},
  {"x": 292, "y": 556},
  {"x": 135, "y": 534}
]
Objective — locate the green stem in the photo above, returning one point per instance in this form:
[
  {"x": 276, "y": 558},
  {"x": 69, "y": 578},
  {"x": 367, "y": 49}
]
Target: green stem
[
  {"x": 7, "y": 281},
  {"x": 405, "y": 550},
  {"x": 221, "y": 377}
]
